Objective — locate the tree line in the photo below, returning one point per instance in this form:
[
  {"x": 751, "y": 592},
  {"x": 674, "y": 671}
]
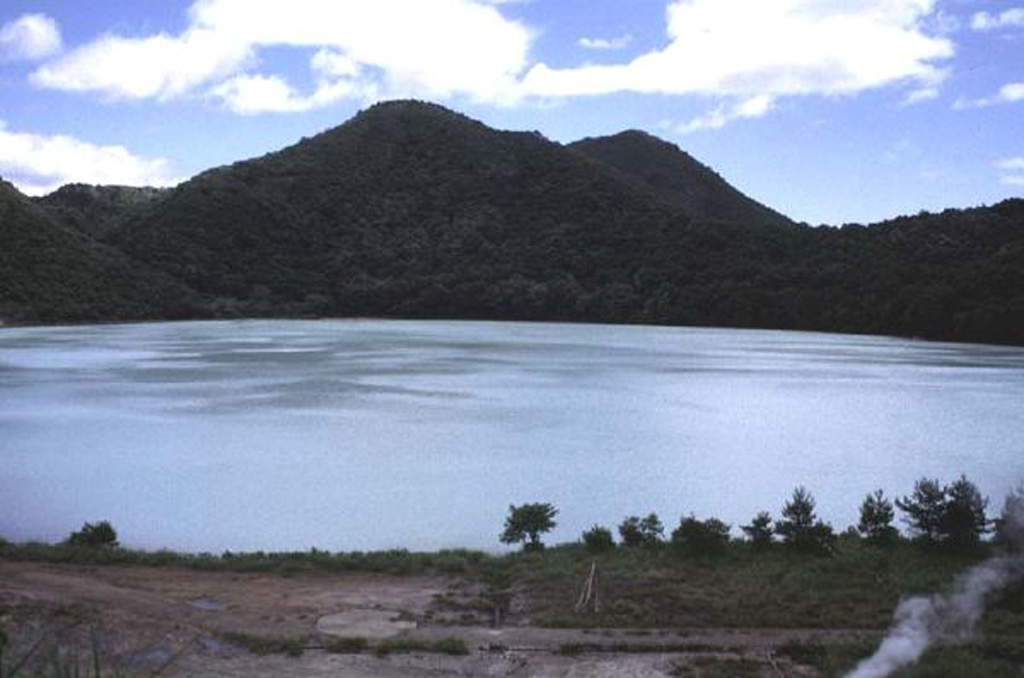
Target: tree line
[{"x": 948, "y": 516}]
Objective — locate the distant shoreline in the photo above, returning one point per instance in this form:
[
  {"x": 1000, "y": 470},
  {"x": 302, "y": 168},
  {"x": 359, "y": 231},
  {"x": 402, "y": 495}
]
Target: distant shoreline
[{"x": 6, "y": 325}]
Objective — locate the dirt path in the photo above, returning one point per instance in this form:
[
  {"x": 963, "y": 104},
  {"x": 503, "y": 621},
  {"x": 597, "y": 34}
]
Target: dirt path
[{"x": 181, "y": 622}]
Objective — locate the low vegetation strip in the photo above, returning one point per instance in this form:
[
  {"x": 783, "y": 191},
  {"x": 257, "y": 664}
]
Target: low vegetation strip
[
  {"x": 573, "y": 649},
  {"x": 294, "y": 646},
  {"x": 450, "y": 646},
  {"x": 397, "y": 562}
]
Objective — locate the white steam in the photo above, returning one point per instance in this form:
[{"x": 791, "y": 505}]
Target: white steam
[{"x": 921, "y": 621}]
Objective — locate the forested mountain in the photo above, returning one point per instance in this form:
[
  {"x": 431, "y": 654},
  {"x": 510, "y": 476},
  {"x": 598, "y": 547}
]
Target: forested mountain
[
  {"x": 675, "y": 176},
  {"x": 407, "y": 209},
  {"x": 411, "y": 210}
]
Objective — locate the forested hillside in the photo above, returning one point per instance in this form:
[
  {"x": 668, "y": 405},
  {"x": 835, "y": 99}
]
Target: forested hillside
[
  {"x": 676, "y": 177},
  {"x": 50, "y": 273},
  {"x": 97, "y": 210},
  {"x": 412, "y": 210}
]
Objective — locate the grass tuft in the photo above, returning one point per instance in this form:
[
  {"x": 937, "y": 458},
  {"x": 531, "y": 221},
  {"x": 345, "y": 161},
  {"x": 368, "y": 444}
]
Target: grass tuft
[
  {"x": 264, "y": 645},
  {"x": 449, "y": 646},
  {"x": 346, "y": 645}
]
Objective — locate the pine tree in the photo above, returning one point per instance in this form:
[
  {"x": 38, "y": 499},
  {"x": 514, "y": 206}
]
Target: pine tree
[
  {"x": 876, "y": 516},
  {"x": 924, "y": 509},
  {"x": 963, "y": 520},
  {"x": 760, "y": 530},
  {"x": 800, "y": 526}
]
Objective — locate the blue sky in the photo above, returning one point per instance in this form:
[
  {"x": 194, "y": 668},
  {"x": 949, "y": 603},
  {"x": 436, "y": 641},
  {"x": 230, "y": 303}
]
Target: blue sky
[{"x": 831, "y": 111}]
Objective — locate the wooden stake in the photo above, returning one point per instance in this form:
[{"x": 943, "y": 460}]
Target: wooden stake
[{"x": 589, "y": 594}]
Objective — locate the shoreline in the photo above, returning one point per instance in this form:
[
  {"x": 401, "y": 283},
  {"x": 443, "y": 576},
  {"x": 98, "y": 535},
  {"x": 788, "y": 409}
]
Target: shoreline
[{"x": 6, "y": 324}]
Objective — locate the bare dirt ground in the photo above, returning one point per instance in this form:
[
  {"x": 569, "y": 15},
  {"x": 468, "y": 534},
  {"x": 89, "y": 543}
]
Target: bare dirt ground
[{"x": 177, "y": 622}]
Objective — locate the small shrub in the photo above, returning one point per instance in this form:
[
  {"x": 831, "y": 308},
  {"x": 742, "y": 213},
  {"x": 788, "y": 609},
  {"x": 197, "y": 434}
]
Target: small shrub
[
  {"x": 451, "y": 645},
  {"x": 526, "y": 523},
  {"x": 636, "y": 531},
  {"x": 100, "y": 535},
  {"x": 598, "y": 539},
  {"x": 389, "y": 645},
  {"x": 346, "y": 645},
  {"x": 760, "y": 531},
  {"x": 701, "y": 537},
  {"x": 264, "y": 645}
]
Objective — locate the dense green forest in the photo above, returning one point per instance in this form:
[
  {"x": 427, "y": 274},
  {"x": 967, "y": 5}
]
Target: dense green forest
[
  {"x": 50, "y": 272},
  {"x": 411, "y": 210}
]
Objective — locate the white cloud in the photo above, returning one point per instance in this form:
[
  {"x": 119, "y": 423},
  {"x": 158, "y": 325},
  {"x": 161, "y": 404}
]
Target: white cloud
[
  {"x": 1013, "y": 17},
  {"x": 769, "y": 48},
  {"x": 328, "y": 63},
  {"x": 1012, "y": 92},
  {"x": 755, "y": 107},
  {"x": 255, "y": 94},
  {"x": 30, "y": 36},
  {"x": 944, "y": 23},
  {"x": 927, "y": 88},
  {"x": 337, "y": 78},
  {"x": 1007, "y": 94},
  {"x": 250, "y": 94},
  {"x": 921, "y": 95},
  {"x": 620, "y": 42},
  {"x": 38, "y": 164},
  {"x": 1012, "y": 170},
  {"x": 159, "y": 66},
  {"x": 731, "y": 50},
  {"x": 440, "y": 48}
]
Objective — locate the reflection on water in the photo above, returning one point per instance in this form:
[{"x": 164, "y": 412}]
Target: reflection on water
[{"x": 372, "y": 434}]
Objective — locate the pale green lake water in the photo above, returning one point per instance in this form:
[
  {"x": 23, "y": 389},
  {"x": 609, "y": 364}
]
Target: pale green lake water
[{"x": 372, "y": 434}]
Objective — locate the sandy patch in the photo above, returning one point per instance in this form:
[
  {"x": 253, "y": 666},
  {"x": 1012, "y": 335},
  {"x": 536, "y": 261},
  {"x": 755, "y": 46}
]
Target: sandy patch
[{"x": 362, "y": 623}]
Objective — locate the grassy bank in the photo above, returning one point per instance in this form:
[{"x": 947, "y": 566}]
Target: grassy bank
[
  {"x": 658, "y": 597},
  {"x": 857, "y": 586}
]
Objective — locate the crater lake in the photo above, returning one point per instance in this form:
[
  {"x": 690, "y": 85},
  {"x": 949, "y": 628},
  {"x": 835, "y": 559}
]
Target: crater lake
[{"x": 372, "y": 434}]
